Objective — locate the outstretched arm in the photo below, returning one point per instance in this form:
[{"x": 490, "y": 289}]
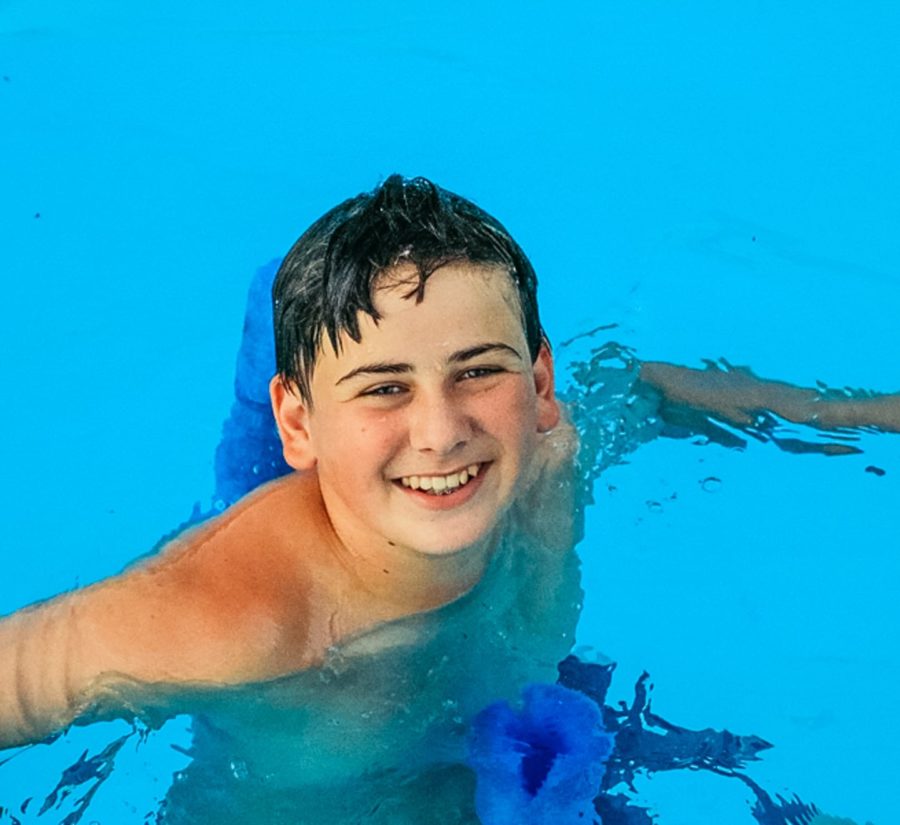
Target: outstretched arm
[
  {"x": 68, "y": 659},
  {"x": 57, "y": 658},
  {"x": 736, "y": 396},
  {"x": 37, "y": 693},
  {"x": 224, "y": 604}
]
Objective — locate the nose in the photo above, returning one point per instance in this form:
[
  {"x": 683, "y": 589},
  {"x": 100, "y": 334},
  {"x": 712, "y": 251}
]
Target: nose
[{"x": 438, "y": 423}]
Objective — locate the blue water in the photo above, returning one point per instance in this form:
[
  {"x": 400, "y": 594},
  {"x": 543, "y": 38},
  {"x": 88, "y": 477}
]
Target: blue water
[{"x": 718, "y": 182}]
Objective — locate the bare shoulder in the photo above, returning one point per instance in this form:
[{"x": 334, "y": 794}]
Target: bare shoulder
[
  {"x": 545, "y": 508},
  {"x": 227, "y": 602}
]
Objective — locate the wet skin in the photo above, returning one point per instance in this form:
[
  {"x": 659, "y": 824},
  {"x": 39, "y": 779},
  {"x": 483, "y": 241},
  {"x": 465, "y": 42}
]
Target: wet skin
[
  {"x": 432, "y": 388},
  {"x": 327, "y": 553}
]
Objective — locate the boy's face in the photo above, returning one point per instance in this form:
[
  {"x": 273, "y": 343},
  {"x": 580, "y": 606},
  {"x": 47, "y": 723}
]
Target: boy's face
[{"x": 431, "y": 393}]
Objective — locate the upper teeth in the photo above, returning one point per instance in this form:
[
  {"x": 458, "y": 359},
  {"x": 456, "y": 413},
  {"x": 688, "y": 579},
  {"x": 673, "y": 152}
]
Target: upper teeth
[{"x": 441, "y": 484}]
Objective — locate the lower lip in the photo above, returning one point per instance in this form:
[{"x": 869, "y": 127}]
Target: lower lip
[{"x": 447, "y": 501}]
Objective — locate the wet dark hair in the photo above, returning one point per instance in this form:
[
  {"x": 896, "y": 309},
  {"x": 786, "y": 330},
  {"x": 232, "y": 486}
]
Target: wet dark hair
[{"x": 329, "y": 274}]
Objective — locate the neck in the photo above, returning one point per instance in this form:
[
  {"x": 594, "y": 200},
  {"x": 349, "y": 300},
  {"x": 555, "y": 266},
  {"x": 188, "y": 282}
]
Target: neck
[{"x": 404, "y": 580}]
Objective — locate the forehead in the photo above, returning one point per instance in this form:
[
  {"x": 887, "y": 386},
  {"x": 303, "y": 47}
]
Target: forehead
[
  {"x": 480, "y": 289},
  {"x": 462, "y": 305}
]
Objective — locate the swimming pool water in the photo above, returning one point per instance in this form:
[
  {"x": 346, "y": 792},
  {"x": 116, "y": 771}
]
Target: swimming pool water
[{"x": 716, "y": 182}]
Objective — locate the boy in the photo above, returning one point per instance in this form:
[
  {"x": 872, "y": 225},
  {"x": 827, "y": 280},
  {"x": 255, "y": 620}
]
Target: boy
[{"x": 415, "y": 399}]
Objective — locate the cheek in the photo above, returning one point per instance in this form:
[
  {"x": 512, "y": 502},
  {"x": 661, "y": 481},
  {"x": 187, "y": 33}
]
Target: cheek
[
  {"x": 513, "y": 409},
  {"x": 362, "y": 444}
]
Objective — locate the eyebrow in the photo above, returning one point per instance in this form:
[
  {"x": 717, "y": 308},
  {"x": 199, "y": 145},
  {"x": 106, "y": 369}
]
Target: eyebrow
[{"x": 397, "y": 368}]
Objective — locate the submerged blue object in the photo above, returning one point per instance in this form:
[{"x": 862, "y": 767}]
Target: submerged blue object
[
  {"x": 256, "y": 357},
  {"x": 542, "y": 765},
  {"x": 249, "y": 453}
]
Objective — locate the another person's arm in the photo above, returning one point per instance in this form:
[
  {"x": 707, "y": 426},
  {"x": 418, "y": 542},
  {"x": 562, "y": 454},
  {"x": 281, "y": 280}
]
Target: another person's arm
[{"x": 736, "y": 396}]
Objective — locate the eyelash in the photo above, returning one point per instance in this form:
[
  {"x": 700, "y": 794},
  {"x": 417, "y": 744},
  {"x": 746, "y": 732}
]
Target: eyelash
[
  {"x": 482, "y": 371},
  {"x": 385, "y": 390},
  {"x": 381, "y": 391}
]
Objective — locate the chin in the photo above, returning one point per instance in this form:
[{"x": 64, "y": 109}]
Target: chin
[
  {"x": 444, "y": 545},
  {"x": 441, "y": 550}
]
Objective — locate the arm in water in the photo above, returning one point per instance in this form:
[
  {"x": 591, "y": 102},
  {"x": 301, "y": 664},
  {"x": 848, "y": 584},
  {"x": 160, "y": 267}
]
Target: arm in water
[
  {"x": 226, "y": 603},
  {"x": 737, "y": 396}
]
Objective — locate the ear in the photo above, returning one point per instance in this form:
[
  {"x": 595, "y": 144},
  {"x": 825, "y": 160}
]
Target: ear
[
  {"x": 547, "y": 405},
  {"x": 292, "y": 417}
]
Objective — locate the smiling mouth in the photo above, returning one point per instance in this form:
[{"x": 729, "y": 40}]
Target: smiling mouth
[{"x": 443, "y": 485}]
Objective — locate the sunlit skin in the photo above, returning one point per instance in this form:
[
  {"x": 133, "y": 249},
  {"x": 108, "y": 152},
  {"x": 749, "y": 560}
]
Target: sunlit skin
[
  {"x": 327, "y": 553},
  {"x": 430, "y": 389}
]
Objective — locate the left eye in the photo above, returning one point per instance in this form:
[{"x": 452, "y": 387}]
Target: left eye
[{"x": 480, "y": 372}]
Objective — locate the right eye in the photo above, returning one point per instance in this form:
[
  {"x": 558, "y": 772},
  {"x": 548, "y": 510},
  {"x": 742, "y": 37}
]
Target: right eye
[{"x": 383, "y": 390}]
